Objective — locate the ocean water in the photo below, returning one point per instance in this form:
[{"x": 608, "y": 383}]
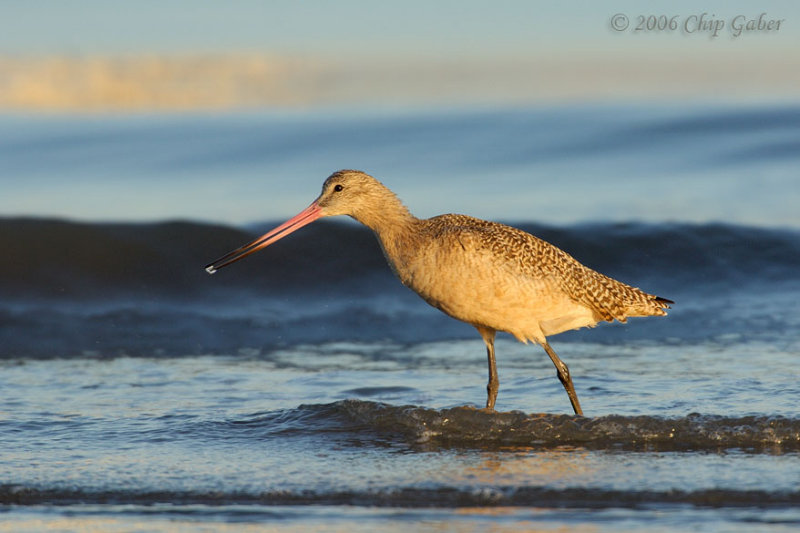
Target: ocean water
[{"x": 305, "y": 389}]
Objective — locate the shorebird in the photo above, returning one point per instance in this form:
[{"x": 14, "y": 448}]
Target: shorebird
[{"x": 492, "y": 276}]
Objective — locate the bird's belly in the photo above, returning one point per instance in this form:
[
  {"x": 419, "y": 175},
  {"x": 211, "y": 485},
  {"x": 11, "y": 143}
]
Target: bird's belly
[{"x": 529, "y": 309}]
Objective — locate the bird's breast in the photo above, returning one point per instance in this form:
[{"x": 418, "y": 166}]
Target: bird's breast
[
  {"x": 462, "y": 281},
  {"x": 472, "y": 283}
]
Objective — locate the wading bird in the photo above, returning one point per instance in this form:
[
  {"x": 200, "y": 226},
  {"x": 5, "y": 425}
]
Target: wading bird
[{"x": 493, "y": 276}]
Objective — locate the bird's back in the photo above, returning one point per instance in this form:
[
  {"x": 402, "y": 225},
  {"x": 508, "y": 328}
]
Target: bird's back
[{"x": 498, "y": 276}]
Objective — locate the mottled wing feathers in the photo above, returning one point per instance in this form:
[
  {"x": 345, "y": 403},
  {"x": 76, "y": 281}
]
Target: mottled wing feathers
[
  {"x": 530, "y": 256},
  {"x": 611, "y": 299}
]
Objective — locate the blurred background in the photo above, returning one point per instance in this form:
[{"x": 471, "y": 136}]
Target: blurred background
[
  {"x": 656, "y": 142},
  {"x": 518, "y": 110}
]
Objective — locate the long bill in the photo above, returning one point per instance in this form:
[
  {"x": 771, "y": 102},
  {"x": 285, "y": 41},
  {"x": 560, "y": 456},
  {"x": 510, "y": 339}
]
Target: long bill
[{"x": 306, "y": 216}]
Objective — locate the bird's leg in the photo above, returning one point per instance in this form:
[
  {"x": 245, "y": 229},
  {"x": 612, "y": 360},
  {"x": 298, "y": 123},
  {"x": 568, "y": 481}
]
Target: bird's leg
[
  {"x": 494, "y": 382},
  {"x": 564, "y": 377}
]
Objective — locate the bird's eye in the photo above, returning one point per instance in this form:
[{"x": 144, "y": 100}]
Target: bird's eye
[{"x": 338, "y": 187}]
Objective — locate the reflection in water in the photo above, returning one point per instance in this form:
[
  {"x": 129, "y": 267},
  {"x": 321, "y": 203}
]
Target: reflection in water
[{"x": 507, "y": 467}]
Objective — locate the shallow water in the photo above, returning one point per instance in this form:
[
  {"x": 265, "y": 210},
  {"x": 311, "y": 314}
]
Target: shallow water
[
  {"x": 206, "y": 439},
  {"x": 306, "y": 389}
]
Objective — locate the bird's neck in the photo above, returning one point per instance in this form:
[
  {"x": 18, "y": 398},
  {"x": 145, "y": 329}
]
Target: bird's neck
[
  {"x": 394, "y": 226},
  {"x": 387, "y": 216}
]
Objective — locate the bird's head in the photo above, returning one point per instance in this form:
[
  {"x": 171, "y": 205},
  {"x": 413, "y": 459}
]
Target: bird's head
[
  {"x": 353, "y": 193},
  {"x": 346, "y": 192}
]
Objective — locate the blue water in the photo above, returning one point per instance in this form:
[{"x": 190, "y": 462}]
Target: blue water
[
  {"x": 305, "y": 389},
  {"x": 554, "y": 166}
]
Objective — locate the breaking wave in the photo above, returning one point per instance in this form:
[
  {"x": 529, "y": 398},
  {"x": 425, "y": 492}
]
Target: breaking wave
[
  {"x": 409, "y": 497},
  {"x": 476, "y": 428},
  {"x": 78, "y": 289},
  {"x": 84, "y": 260}
]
